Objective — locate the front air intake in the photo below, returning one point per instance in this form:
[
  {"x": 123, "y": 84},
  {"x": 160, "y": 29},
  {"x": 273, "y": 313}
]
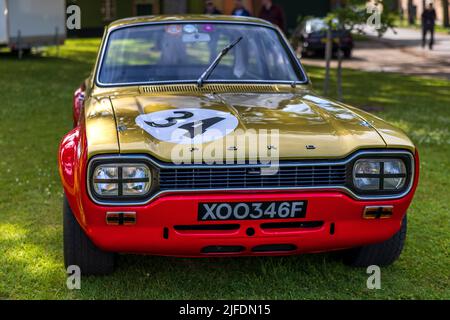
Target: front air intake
[
  {"x": 222, "y": 249},
  {"x": 212, "y": 227},
  {"x": 292, "y": 225}
]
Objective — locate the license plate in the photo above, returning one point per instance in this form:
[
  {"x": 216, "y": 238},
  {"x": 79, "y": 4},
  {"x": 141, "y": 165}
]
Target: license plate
[{"x": 251, "y": 210}]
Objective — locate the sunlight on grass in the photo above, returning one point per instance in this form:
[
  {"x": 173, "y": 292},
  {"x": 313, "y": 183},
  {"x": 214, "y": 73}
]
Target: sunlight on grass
[
  {"x": 84, "y": 50},
  {"x": 34, "y": 260},
  {"x": 11, "y": 232}
]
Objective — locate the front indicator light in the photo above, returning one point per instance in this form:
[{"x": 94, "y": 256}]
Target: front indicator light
[
  {"x": 121, "y": 218},
  {"x": 382, "y": 212},
  {"x": 379, "y": 174}
]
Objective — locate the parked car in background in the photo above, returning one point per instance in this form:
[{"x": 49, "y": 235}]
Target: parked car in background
[
  {"x": 25, "y": 24},
  {"x": 313, "y": 38},
  {"x": 170, "y": 85}
]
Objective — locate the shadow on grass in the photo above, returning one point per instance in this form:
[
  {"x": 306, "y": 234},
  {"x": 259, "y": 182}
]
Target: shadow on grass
[
  {"x": 32, "y": 267},
  {"x": 218, "y": 278}
]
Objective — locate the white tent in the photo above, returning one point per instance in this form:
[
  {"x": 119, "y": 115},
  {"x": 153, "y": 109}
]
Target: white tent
[{"x": 30, "y": 23}]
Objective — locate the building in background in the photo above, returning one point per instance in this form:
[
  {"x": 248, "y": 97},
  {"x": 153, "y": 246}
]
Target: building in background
[
  {"x": 412, "y": 10},
  {"x": 98, "y": 13}
]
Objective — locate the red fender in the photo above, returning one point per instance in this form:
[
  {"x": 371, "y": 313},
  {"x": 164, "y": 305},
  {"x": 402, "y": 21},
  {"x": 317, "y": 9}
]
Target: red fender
[{"x": 72, "y": 159}]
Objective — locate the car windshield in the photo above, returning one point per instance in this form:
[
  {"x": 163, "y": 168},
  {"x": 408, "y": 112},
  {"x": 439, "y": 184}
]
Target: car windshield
[
  {"x": 162, "y": 53},
  {"x": 316, "y": 25}
]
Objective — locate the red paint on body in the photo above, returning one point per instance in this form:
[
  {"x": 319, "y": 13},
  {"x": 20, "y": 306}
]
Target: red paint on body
[{"x": 167, "y": 211}]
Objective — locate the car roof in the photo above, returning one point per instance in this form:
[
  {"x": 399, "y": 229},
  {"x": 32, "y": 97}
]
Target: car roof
[{"x": 186, "y": 18}]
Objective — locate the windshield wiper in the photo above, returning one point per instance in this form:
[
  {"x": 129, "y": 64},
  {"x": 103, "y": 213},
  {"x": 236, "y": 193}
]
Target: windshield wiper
[{"x": 216, "y": 62}]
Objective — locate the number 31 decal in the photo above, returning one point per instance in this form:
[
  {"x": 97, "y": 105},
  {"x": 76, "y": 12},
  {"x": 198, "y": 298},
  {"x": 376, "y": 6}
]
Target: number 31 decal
[
  {"x": 171, "y": 121},
  {"x": 188, "y": 126}
]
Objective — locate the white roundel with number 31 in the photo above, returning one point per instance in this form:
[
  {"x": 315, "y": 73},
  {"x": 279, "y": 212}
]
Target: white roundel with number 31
[{"x": 188, "y": 126}]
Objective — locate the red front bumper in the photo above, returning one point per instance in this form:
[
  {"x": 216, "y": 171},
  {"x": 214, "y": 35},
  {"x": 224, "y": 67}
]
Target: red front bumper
[{"x": 155, "y": 233}]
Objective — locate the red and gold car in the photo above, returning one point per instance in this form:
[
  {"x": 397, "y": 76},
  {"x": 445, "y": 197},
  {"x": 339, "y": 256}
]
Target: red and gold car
[{"x": 201, "y": 137}]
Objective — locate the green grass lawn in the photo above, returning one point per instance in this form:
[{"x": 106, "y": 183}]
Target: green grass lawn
[
  {"x": 405, "y": 24},
  {"x": 35, "y": 113}
]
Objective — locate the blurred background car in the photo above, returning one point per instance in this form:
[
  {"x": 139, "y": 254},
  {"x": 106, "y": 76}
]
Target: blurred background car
[{"x": 313, "y": 38}]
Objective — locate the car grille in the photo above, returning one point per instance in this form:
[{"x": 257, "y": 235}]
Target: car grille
[{"x": 243, "y": 178}]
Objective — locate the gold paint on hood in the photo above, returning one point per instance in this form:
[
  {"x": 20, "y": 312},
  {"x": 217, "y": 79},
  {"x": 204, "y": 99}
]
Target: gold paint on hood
[
  {"x": 101, "y": 130},
  {"x": 301, "y": 117}
]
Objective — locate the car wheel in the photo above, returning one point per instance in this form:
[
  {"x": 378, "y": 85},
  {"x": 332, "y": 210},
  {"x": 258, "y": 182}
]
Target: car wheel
[
  {"x": 381, "y": 254},
  {"x": 79, "y": 249}
]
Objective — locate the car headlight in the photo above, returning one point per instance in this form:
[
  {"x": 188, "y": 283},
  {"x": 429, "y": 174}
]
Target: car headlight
[
  {"x": 379, "y": 175},
  {"x": 121, "y": 180}
]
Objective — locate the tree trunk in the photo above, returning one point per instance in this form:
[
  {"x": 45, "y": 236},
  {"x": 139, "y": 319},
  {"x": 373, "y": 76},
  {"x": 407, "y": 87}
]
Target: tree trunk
[
  {"x": 410, "y": 12},
  {"x": 339, "y": 72},
  {"x": 328, "y": 56},
  {"x": 445, "y": 11}
]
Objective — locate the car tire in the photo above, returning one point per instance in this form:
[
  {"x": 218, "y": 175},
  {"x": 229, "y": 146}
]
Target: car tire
[
  {"x": 381, "y": 254},
  {"x": 79, "y": 249}
]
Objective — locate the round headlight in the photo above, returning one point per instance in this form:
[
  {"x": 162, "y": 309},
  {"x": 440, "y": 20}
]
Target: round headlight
[
  {"x": 137, "y": 180},
  {"x": 366, "y": 175},
  {"x": 394, "y": 175},
  {"x": 106, "y": 180},
  {"x": 122, "y": 180},
  {"x": 379, "y": 174}
]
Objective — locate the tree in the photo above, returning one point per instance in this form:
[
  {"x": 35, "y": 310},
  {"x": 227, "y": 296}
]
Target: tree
[
  {"x": 445, "y": 11},
  {"x": 355, "y": 16}
]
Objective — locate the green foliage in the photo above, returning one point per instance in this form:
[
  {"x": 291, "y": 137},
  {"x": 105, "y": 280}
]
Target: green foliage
[
  {"x": 36, "y": 113},
  {"x": 353, "y": 15}
]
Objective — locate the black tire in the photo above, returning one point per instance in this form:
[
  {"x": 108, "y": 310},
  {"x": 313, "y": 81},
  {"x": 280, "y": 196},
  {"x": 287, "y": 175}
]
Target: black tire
[
  {"x": 381, "y": 254},
  {"x": 79, "y": 249}
]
